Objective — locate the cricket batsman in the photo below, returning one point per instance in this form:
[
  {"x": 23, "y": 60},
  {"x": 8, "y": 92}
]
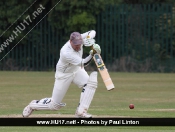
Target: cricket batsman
[{"x": 70, "y": 69}]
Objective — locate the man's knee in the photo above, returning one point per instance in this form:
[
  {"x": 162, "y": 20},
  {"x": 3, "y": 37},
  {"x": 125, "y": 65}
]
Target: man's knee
[{"x": 92, "y": 82}]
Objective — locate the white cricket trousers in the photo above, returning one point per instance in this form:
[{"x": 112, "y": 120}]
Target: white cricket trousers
[{"x": 63, "y": 81}]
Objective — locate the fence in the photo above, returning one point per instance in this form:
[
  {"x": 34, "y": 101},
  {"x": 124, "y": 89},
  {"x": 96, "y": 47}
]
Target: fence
[
  {"x": 134, "y": 38},
  {"x": 138, "y": 37}
]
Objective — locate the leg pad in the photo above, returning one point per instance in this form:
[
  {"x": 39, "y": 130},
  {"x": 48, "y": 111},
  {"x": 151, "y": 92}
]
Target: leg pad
[{"x": 46, "y": 104}]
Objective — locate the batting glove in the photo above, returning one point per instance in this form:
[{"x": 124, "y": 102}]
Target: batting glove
[
  {"x": 88, "y": 42},
  {"x": 96, "y": 49}
]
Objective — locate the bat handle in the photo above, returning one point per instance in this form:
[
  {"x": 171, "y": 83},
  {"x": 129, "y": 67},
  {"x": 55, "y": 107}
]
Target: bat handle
[{"x": 94, "y": 52}]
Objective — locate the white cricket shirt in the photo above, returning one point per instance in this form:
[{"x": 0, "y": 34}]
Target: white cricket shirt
[{"x": 71, "y": 60}]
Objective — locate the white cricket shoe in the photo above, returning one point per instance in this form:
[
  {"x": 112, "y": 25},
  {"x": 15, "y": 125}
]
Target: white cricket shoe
[
  {"x": 28, "y": 110},
  {"x": 83, "y": 115}
]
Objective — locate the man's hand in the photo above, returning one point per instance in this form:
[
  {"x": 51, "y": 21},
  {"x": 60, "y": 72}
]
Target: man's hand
[{"x": 95, "y": 49}]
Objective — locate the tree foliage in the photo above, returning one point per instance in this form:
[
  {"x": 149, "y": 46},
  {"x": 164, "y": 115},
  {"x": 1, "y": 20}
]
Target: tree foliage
[
  {"x": 67, "y": 16},
  {"x": 77, "y": 15},
  {"x": 13, "y": 13},
  {"x": 147, "y": 1}
]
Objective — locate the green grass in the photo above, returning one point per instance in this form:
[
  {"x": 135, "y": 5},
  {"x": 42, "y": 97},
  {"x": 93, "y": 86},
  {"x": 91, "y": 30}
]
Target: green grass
[
  {"x": 87, "y": 129},
  {"x": 153, "y": 95}
]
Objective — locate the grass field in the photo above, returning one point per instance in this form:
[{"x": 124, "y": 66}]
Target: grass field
[{"x": 153, "y": 95}]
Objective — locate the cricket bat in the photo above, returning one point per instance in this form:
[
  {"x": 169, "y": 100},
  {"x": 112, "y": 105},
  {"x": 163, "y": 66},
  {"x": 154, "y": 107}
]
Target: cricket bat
[{"x": 103, "y": 72}]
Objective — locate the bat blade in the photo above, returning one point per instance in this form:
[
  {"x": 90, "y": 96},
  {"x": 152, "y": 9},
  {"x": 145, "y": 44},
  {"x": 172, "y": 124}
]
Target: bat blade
[{"x": 103, "y": 72}]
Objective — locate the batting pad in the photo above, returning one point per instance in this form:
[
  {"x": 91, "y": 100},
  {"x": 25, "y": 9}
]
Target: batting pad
[
  {"x": 46, "y": 104},
  {"x": 89, "y": 91}
]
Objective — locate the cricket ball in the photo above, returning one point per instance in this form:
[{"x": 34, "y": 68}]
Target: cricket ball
[{"x": 131, "y": 106}]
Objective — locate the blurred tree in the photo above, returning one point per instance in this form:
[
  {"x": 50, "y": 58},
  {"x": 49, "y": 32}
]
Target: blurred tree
[
  {"x": 79, "y": 15},
  {"x": 67, "y": 15},
  {"x": 14, "y": 12},
  {"x": 146, "y": 1}
]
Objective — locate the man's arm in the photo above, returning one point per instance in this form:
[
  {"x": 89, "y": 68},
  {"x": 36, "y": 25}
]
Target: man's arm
[
  {"x": 90, "y": 33},
  {"x": 87, "y": 60},
  {"x": 77, "y": 60},
  {"x": 88, "y": 38}
]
